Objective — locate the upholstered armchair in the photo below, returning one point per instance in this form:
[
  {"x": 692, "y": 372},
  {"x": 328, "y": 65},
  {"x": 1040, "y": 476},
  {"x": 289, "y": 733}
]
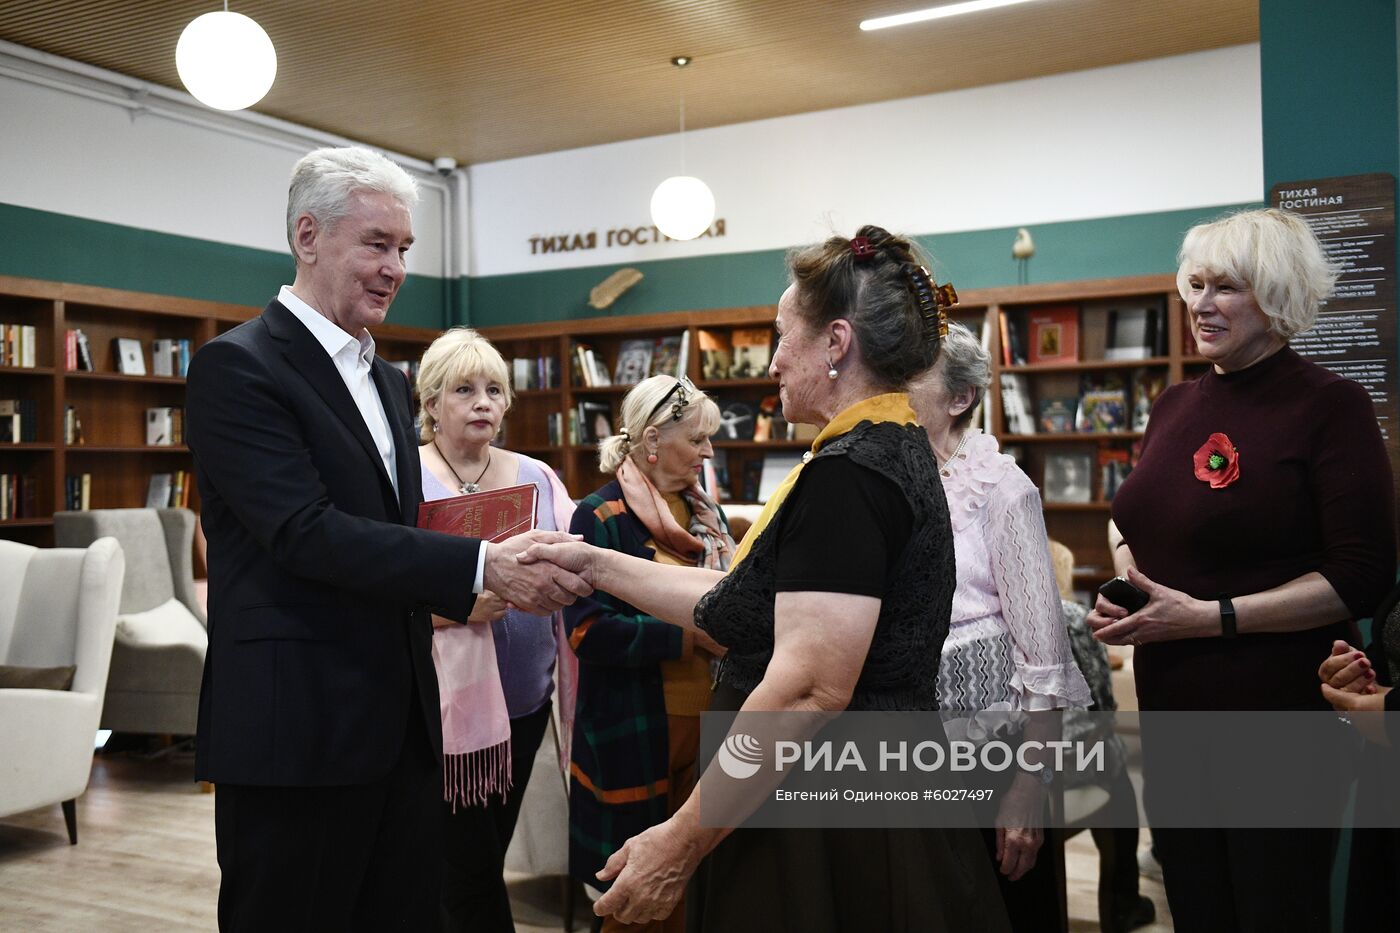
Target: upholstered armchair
[
  {"x": 58, "y": 608},
  {"x": 158, "y": 657}
]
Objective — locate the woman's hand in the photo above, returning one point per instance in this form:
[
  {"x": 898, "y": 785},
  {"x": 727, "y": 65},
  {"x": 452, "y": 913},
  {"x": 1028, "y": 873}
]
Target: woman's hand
[
  {"x": 1019, "y": 832},
  {"x": 1347, "y": 670},
  {"x": 488, "y": 608},
  {"x": 1364, "y": 710},
  {"x": 1169, "y": 614},
  {"x": 651, "y": 871}
]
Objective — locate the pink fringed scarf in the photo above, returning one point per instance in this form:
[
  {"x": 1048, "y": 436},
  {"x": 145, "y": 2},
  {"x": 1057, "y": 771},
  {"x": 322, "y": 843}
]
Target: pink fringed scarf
[
  {"x": 475, "y": 721},
  {"x": 705, "y": 544}
]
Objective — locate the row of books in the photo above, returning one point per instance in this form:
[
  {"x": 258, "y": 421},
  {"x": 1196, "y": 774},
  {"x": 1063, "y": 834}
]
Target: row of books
[
  {"x": 743, "y": 353},
  {"x": 1097, "y": 331},
  {"x": 165, "y": 426},
  {"x": 77, "y": 351},
  {"x": 1104, "y": 403},
  {"x": 540, "y": 372},
  {"x": 169, "y": 490},
  {"x": 19, "y": 496},
  {"x": 637, "y": 359},
  {"x": 77, "y": 492},
  {"x": 762, "y": 475},
  {"x": 19, "y": 421},
  {"x": 19, "y": 345}
]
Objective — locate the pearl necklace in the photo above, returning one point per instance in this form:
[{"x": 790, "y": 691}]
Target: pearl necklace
[{"x": 943, "y": 468}]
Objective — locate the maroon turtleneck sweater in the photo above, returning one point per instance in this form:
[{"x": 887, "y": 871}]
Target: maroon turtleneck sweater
[{"x": 1314, "y": 493}]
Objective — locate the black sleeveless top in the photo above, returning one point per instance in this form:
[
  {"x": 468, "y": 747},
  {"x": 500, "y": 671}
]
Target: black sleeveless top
[{"x": 901, "y": 668}]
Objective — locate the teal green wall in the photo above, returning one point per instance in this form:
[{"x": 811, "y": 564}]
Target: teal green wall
[
  {"x": 1138, "y": 244},
  {"x": 1330, "y": 81},
  {"x": 60, "y": 248}
]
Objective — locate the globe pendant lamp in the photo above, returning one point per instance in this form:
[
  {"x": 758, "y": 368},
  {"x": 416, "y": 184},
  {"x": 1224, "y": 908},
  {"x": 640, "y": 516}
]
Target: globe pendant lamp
[
  {"x": 226, "y": 60},
  {"x": 682, "y": 206}
]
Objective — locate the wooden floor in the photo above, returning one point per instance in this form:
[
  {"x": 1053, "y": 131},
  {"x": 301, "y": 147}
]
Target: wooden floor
[{"x": 145, "y": 862}]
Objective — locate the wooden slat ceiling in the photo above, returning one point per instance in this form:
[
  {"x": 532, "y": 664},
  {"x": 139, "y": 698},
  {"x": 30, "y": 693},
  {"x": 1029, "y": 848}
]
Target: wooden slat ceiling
[{"x": 481, "y": 80}]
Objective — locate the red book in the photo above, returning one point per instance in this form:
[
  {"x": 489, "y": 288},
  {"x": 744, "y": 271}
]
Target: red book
[
  {"x": 1054, "y": 335},
  {"x": 494, "y": 515}
]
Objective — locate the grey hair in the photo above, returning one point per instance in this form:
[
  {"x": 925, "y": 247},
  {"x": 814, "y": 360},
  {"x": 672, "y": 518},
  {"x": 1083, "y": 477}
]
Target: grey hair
[
  {"x": 1272, "y": 252},
  {"x": 633, "y": 421},
  {"x": 965, "y": 365},
  {"x": 324, "y": 180}
]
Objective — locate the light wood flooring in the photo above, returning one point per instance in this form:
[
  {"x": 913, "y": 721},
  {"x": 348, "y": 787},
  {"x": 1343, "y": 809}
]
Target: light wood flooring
[{"x": 145, "y": 862}]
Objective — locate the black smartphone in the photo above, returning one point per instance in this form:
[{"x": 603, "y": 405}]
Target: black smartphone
[{"x": 1122, "y": 593}]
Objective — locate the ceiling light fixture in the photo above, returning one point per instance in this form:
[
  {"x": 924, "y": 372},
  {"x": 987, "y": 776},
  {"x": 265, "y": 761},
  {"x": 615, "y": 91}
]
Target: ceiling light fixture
[
  {"x": 682, "y": 206},
  {"x": 937, "y": 12},
  {"x": 226, "y": 60}
]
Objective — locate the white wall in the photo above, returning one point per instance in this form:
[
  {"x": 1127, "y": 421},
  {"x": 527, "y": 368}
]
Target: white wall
[
  {"x": 89, "y": 158},
  {"x": 1161, "y": 135}
]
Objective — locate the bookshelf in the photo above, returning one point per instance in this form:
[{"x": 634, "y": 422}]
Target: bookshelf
[
  {"x": 1080, "y": 525},
  {"x": 111, "y": 405}
]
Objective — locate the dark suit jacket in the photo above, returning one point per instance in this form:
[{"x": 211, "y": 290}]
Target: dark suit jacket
[{"x": 319, "y": 586}]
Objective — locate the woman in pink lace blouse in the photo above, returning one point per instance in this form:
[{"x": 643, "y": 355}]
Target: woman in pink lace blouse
[{"x": 1007, "y": 649}]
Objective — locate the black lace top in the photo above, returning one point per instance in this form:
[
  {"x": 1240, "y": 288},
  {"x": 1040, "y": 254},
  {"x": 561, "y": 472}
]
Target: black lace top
[{"x": 901, "y": 668}]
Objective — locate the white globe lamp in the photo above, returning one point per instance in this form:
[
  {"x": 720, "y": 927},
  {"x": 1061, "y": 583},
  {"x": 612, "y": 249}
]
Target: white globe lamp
[
  {"x": 226, "y": 60},
  {"x": 682, "y": 207}
]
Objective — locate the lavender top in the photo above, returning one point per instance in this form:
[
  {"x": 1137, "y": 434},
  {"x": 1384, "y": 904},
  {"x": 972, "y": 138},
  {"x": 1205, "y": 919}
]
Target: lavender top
[{"x": 525, "y": 646}]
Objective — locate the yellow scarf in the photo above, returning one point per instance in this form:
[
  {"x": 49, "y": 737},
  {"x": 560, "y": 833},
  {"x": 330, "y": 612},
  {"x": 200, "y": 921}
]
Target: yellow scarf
[{"x": 892, "y": 406}]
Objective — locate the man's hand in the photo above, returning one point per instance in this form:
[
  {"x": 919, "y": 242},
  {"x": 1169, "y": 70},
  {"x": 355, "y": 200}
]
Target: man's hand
[
  {"x": 537, "y": 587},
  {"x": 569, "y": 554}
]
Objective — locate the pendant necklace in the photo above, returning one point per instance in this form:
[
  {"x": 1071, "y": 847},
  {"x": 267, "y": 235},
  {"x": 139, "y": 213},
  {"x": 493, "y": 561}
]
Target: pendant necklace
[{"x": 464, "y": 487}]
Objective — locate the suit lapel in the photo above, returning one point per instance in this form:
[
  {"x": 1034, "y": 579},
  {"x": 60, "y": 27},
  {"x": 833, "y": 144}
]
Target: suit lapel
[
  {"x": 393, "y": 392},
  {"x": 310, "y": 359}
]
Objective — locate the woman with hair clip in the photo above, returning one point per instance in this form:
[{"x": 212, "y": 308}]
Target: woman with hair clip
[
  {"x": 496, "y": 675},
  {"x": 1258, "y": 523},
  {"x": 837, "y": 599},
  {"x": 1007, "y": 650},
  {"x": 642, "y": 682}
]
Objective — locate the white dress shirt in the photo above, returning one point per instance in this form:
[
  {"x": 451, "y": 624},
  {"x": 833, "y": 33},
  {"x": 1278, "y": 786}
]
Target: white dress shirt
[{"x": 353, "y": 357}]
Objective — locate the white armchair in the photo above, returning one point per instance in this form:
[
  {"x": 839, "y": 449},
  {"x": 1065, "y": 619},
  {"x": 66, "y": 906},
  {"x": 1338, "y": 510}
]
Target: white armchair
[{"x": 58, "y": 607}]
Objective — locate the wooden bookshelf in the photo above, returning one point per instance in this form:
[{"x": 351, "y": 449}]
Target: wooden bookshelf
[{"x": 110, "y": 404}]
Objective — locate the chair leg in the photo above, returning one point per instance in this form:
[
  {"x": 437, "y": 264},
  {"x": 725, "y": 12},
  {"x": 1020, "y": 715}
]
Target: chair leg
[{"x": 70, "y": 817}]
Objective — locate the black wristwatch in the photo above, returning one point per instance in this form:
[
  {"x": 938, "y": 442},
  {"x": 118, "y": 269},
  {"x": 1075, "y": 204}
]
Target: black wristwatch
[{"x": 1227, "y": 617}]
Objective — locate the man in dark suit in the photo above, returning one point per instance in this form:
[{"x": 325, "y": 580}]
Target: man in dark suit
[{"x": 318, "y": 715}]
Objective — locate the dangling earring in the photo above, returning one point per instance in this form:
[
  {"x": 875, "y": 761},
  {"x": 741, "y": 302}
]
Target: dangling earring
[
  {"x": 651, "y": 458},
  {"x": 831, "y": 372},
  {"x": 436, "y": 427}
]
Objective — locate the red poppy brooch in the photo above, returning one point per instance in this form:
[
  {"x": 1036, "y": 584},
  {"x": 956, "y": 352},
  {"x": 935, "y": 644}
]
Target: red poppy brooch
[{"x": 1217, "y": 462}]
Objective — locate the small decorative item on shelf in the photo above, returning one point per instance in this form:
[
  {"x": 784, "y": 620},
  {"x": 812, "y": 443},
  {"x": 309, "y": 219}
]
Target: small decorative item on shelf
[
  {"x": 1067, "y": 477},
  {"x": 170, "y": 357},
  {"x": 1054, "y": 335},
  {"x": 131, "y": 360},
  {"x": 633, "y": 362},
  {"x": 769, "y": 424},
  {"x": 715, "y": 350},
  {"x": 158, "y": 490},
  {"x": 751, "y": 353}
]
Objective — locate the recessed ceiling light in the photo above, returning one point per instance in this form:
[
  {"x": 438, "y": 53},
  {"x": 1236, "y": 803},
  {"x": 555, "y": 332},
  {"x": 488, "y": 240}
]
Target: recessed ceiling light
[{"x": 937, "y": 12}]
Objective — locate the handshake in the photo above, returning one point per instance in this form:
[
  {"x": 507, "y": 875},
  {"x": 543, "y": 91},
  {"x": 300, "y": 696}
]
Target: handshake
[{"x": 540, "y": 572}]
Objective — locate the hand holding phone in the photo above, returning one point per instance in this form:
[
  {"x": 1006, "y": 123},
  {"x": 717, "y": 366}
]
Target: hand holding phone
[{"x": 1120, "y": 592}]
